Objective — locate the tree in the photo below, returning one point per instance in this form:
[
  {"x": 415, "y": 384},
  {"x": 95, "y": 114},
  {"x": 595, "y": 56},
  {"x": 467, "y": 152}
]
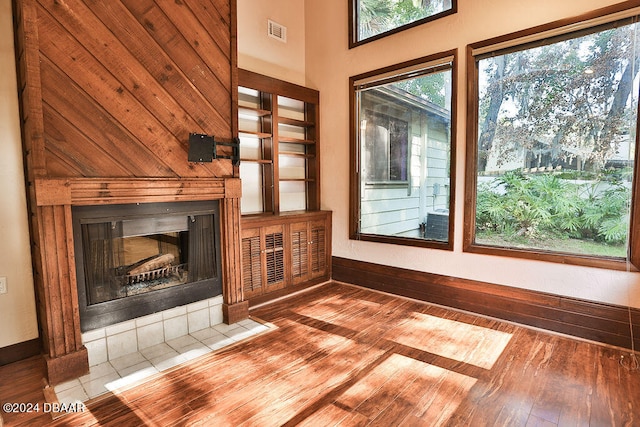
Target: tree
[
  {"x": 373, "y": 17},
  {"x": 378, "y": 16},
  {"x": 572, "y": 97}
]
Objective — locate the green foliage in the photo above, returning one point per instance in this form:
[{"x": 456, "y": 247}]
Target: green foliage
[{"x": 516, "y": 206}]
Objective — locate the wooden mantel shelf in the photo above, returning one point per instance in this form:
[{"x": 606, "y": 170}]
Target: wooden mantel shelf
[{"x": 92, "y": 191}]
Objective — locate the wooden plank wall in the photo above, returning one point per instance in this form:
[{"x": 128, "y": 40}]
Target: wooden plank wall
[
  {"x": 109, "y": 92},
  {"x": 123, "y": 83}
]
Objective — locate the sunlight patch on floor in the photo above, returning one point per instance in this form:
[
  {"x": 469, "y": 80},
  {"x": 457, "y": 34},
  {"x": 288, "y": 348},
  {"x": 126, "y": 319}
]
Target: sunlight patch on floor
[
  {"x": 459, "y": 341},
  {"x": 335, "y": 311},
  {"x": 402, "y": 389}
]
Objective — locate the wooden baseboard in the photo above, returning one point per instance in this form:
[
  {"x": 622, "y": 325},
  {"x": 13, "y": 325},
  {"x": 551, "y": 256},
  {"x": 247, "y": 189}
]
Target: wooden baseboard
[
  {"x": 600, "y": 322},
  {"x": 20, "y": 351}
]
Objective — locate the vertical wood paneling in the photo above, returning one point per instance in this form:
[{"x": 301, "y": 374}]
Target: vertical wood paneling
[
  {"x": 231, "y": 251},
  {"x": 31, "y": 106},
  {"x": 60, "y": 292}
]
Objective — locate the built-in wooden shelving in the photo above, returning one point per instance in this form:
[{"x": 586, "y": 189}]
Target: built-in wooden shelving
[{"x": 279, "y": 145}]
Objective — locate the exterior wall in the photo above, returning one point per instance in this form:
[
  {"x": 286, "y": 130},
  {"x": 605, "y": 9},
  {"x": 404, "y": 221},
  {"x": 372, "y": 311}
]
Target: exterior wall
[
  {"x": 19, "y": 322},
  {"x": 399, "y": 210},
  {"x": 330, "y": 63}
]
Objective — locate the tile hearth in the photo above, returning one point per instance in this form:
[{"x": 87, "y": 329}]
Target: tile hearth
[{"x": 132, "y": 368}]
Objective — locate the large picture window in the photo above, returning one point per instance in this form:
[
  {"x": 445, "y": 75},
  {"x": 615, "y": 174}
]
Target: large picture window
[
  {"x": 402, "y": 153},
  {"x": 553, "y": 144},
  {"x": 373, "y": 19}
]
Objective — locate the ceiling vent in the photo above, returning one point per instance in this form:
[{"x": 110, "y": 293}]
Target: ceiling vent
[{"x": 277, "y": 31}]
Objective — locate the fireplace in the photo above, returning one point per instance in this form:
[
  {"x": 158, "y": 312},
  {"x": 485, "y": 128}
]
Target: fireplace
[{"x": 137, "y": 259}]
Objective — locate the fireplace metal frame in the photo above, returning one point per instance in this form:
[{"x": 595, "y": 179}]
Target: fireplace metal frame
[{"x": 119, "y": 310}]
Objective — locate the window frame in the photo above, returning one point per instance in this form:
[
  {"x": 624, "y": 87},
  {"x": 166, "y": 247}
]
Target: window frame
[
  {"x": 521, "y": 40},
  {"x": 354, "y": 23},
  {"x": 388, "y": 74}
]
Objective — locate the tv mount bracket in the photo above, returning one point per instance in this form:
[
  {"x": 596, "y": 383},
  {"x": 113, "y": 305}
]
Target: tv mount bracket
[{"x": 203, "y": 149}]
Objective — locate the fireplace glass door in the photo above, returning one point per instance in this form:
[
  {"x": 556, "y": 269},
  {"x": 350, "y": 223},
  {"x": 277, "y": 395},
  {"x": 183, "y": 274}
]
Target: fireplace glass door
[
  {"x": 135, "y": 260},
  {"x": 131, "y": 257}
]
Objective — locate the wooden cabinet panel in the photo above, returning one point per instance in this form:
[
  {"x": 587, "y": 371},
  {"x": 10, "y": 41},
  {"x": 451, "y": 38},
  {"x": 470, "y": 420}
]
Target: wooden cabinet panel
[
  {"x": 263, "y": 260},
  {"x": 299, "y": 252},
  {"x": 274, "y": 257},
  {"x": 251, "y": 262},
  {"x": 308, "y": 250},
  {"x": 318, "y": 261}
]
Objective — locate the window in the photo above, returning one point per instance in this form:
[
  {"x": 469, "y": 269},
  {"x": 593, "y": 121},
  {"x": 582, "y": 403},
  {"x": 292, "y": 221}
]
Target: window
[
  {"x": 373, "y": 19},
  {"x": 553, "y": 142},
  {"x": 402, "y": 152},
  {"x": 386, "y": 147}
]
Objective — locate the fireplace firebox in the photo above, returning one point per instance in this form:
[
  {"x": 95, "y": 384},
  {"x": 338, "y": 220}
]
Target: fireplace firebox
[{"x": 137, "y": 259}]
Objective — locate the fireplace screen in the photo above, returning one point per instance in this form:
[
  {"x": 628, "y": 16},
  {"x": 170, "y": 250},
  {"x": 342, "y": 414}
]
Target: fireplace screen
[
  {"x": 134, "y": 260},
  {"x": 131, "y": 257}
]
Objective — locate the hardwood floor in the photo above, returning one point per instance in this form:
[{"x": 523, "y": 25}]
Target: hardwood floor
[{"x": 342, "y": 355}]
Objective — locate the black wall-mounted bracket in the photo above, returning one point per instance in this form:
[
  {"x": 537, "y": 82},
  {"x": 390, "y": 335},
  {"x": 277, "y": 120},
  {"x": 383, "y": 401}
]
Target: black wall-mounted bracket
[
  {"x": 203, "y": 149},
  {"x": 235, "y": 147}
]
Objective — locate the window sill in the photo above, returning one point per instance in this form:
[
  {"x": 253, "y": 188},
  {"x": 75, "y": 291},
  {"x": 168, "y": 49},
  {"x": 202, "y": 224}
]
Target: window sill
[
  {"x": 404, "y": 241},
  {"x": 557, "y": 257}
]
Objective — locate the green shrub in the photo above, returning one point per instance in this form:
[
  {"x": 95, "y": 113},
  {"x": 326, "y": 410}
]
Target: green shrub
[{"x": 538, "y": 206}]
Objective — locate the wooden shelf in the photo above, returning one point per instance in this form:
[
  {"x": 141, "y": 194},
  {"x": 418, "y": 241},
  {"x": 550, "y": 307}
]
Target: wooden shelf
[
  {"x": 259, "y": 161},
  {"x": 253, "y": 112},
  {"x": 295, "y": 122},
  {"x": 296, "y": 154},
  {"x": 251, "y": 134},
  {"x": 297, "y": 180},
  {"x": 290, "y": 140}
]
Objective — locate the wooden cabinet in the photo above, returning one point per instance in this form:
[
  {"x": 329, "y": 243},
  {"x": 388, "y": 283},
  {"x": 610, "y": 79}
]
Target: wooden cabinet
[
  {"x": 263, "y": 264},
  {"x": 308, "y": 250},
  {"x": 286, "y": 242},
  {"x": 279, "y": 146},
  {"x": 284, "y": 253}
]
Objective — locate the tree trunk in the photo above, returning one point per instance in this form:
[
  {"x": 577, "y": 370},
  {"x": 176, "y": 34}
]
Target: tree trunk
[
  {"x": 616, "y": 112},
  {"x": 488, "y": 130}
]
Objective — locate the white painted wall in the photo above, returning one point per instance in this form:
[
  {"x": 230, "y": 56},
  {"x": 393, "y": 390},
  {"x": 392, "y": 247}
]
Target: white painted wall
[
  {"x": 260, "y": 53},
  {"x": 329, "y": 63},
  {"x": 18, "y": 322}
]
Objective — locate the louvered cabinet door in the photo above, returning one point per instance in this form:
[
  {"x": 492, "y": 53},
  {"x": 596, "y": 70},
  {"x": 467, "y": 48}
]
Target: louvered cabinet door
[
  {"x": 318, "y": 250},
  {"x": 299, "y": 251},
  {"x": 252, "y": 271},
  {"x": 274, "y": 257}
]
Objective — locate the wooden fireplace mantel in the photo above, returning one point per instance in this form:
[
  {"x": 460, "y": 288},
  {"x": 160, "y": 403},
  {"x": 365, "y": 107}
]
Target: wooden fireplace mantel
[{"x": 67, "y": 357}]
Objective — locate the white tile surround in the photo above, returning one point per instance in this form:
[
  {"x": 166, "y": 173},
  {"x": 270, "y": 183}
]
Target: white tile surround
[
  {"x": 125, "y": 353},
  {"x": 117, "y": 340}
]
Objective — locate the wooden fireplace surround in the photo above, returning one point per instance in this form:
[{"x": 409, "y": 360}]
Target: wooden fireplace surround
[
  {"x": 109, "y": 93},
  {"x": 66, "y": 356}
]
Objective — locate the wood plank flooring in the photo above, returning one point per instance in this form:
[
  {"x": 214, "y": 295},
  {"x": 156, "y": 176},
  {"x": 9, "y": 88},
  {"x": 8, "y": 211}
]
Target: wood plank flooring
[{"x": 342, "y": 355}]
